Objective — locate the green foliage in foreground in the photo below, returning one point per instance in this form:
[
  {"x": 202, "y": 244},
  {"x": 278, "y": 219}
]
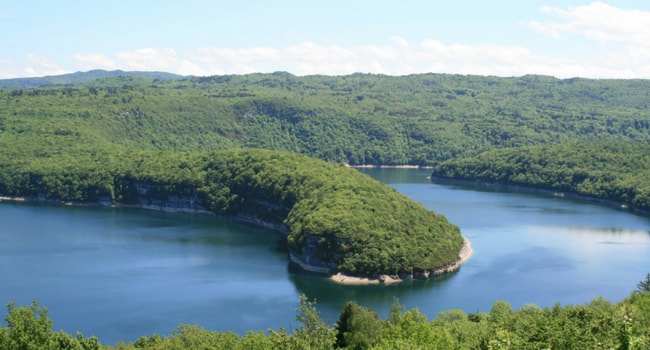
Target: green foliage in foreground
[
  {"x": 614, "y": 171},
  {"x": 597, "y": 325},
  {"x": 361, "y": 226}
]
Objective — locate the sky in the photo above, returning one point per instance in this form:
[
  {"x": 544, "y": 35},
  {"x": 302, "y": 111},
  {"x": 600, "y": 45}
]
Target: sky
[{"x": 570, "y": 38}]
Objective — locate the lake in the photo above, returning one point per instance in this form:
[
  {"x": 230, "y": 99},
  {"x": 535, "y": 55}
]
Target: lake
[{"x": 122, "y": 273}]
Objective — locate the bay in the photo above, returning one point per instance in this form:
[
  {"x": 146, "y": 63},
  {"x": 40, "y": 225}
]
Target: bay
[{"x": 122, "y": 273}]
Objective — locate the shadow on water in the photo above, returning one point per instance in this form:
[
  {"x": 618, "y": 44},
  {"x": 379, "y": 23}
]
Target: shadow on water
[
  {"x": 332, "y": 296},
  {"x": 397, "y": 175},
  {"x": 571, "y": 201},
  {"x": 528, "y": 261}
]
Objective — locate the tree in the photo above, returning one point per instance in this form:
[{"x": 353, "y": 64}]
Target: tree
[
  {"x": 413, "y": 331},
  {"x": 313, "y": 333},
  {"x": 451, "y": 315},
  {"x": 344, "y": 324},
  {"x": 644, "y": 286},
  {"x": 358, "y": 327},
  {"x": 500, "y": 312},
  {"x": 396, "y": 310},
  {"x": 28, "y": 328}
]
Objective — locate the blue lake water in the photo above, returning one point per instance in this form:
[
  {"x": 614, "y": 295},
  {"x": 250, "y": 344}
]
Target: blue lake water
[{"x": 121, "y": 273}]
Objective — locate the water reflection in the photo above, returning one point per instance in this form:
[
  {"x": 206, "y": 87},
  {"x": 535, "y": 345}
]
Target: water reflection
[
  {"x": 331, "y": 296},
  {"x": 530, "y": 260}
]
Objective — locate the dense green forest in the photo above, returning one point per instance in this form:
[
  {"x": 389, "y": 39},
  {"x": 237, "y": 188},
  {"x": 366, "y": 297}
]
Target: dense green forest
[
  {"x": 608, "y": 170},
  {"x": 358, "y": 119},
  {"x": 596, "y": 325},
  {"x": 422, "y": 119}
]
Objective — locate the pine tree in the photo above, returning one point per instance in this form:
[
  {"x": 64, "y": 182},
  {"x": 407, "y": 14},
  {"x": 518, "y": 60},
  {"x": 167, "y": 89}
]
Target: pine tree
[{"x": 644, "y": 286}]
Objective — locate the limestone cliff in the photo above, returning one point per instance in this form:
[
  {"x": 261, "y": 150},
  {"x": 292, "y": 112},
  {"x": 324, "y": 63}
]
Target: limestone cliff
[{"x": 156, "y": 197}]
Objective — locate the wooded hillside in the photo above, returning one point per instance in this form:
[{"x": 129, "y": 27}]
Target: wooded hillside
[
  {"x": 358, "y": 119},
  {"x": 614, "y": 171}
]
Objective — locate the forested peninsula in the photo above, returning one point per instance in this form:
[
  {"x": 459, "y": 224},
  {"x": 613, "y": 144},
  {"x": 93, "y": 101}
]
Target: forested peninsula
[{"x": 335, "y": 219}]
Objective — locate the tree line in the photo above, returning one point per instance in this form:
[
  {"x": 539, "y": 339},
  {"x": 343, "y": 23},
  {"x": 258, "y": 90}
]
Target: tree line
[
  {"x": 357, "y": 119},
  {"x": 598, "y": 324},
  {"x": 610, "y": 170}
]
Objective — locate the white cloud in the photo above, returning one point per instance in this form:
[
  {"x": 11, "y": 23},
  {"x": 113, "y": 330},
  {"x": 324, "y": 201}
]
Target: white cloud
[
  {"x": 148, "y": 59},
  {"x": 310, "y": 58},
  {"x": 401, "y": 42},
  {"x": 397, "y": 57},
  {"x": 94, "y": 61},
  {"x": 8, "y": 68},
  {"x": 598, "y": 21},
  {"x": 615, "y": 39},
  {"x": 41, "y": 65}
]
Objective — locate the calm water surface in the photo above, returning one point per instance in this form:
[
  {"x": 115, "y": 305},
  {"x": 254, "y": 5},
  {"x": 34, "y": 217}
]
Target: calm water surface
[{"x": 120, "y": 274}]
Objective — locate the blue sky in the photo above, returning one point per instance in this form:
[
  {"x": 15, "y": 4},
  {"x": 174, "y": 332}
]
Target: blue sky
[{"x": 595, "y": 39}]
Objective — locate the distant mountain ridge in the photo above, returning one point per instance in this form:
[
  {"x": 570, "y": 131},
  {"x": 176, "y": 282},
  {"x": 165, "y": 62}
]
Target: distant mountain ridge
[{"x": 80, "y": 77}]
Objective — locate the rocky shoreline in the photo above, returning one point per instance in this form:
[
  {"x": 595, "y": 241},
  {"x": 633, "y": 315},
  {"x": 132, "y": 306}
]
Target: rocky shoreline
[
  {"x": 465, "y": 253},
  {"x": 152, "y": 207}
]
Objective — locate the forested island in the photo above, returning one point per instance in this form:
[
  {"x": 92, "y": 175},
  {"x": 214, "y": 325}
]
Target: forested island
[{"x": 272, "y": 149}]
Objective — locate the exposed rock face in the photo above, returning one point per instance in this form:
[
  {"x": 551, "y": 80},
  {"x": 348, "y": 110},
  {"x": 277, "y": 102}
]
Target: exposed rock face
[
  {"x": 156, "y": 197},
  {"x": 257, "y": 212},
  {"x": 263, "y": 213},
  {"x": 257, "y": 221},
  {"x": 312, "y": 258},
  {"x": 312, "y": 263},
  {"x": 464, "y": 254}
]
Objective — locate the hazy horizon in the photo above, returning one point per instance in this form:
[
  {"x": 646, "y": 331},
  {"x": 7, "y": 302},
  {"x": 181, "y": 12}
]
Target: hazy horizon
[{"x": 564, "y": 39}]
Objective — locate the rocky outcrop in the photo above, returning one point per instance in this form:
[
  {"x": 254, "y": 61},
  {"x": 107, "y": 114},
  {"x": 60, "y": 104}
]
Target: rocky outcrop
[
  {"x": 464, "y": 254},
  {"x": 156, "y": 197},
  {"x": 312, "y": 258},
  {"x": 256, "y": 212},
  {"x": 250, "y": 218},
  {"x": 312, "y": 263}
]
